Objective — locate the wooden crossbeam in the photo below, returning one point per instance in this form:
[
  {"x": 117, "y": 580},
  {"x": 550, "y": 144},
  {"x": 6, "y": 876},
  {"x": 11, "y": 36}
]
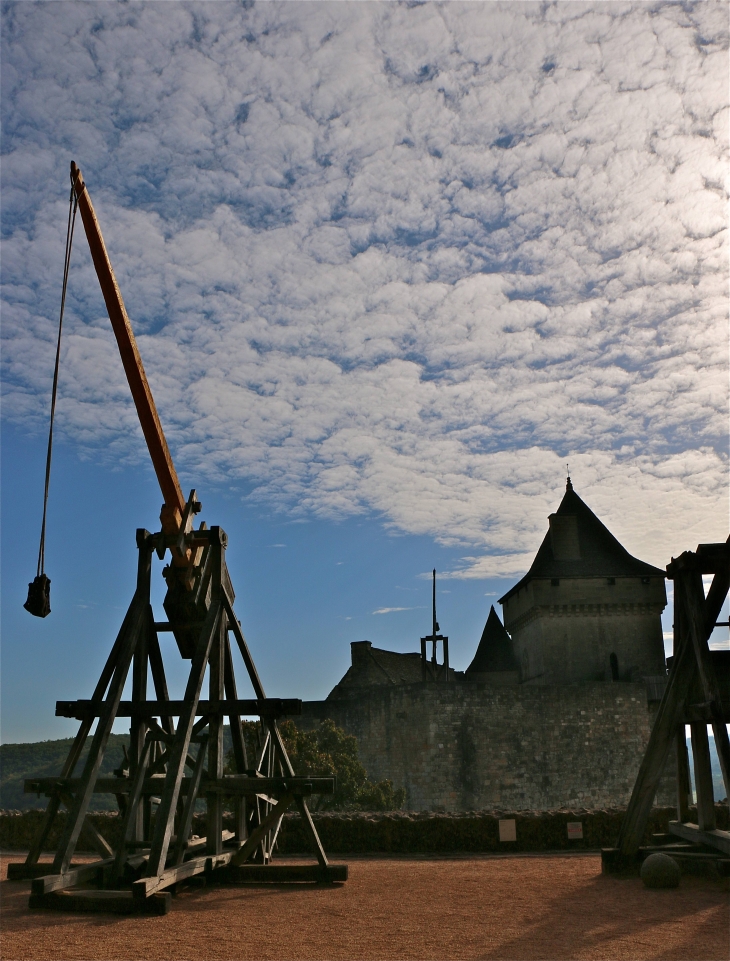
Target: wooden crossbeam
[
  {"x": 247, "y": 707},
  {"x": 233, "y": 784},
  {"x": 146, "y": 887},
  {"x": 693, "y": 832}
]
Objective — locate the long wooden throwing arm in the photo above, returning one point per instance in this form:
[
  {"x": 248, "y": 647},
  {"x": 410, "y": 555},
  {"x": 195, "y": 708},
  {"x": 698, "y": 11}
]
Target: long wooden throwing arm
[{"x": 141, "y": 394}]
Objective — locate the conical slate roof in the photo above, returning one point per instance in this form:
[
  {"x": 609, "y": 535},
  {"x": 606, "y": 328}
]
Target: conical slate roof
[
  {"x": 494, "y": 652},
  {"x": 579, "y": 545}
]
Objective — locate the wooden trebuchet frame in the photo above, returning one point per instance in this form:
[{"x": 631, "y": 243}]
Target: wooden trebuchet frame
[
  {"x": 692, "y": 696},
  {"x": 175, "y": 758}
]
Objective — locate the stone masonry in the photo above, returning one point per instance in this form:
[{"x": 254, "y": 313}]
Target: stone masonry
[{"x": 457, "y": 747}]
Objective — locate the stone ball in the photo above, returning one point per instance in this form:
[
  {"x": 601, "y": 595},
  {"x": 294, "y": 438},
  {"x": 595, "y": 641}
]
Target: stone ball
[{"x": 660, "y": 871}]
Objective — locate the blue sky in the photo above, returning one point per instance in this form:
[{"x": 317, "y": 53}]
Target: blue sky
[{"x": 390, "y": 266}]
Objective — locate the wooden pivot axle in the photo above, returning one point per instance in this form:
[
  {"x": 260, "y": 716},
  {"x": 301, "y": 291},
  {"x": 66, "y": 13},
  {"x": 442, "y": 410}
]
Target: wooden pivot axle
[
  {"x": 175, "y": 759},
  {"x": 693, "y": 693}
]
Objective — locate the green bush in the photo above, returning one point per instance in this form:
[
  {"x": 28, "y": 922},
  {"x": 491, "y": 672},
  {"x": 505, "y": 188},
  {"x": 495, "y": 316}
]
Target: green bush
[{"x": 324, "y": 751}]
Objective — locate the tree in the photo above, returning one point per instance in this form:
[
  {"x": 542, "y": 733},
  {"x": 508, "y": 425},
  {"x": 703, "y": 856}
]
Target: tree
[{"x": 324, "y": 751}]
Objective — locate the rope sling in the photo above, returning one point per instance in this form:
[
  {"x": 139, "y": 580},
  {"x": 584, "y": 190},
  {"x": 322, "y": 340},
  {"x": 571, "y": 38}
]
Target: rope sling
[{"x": 39, "y": 590}]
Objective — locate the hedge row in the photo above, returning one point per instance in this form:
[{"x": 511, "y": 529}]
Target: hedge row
[{"x": 398, "y": 832}]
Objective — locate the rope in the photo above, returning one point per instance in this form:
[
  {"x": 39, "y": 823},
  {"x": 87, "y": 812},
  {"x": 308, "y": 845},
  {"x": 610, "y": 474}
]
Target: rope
[{"x": 72, "y": 205}]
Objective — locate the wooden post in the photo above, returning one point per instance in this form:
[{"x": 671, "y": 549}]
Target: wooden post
[
  {"x": 179, "y": 750},
  {"x": 76, "y": 816},
  {"x": 214, "y": 801},
  {"x": 138, "y": 727},
  {"x": 684, "y": 786},
  {"x": 703, "y": 776},
  {"x": 239, "y": 744}
]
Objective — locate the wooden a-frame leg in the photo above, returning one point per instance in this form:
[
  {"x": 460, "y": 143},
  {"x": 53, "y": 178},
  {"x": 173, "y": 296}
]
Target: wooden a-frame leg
[
  {"x": 85, "y": 790},
  {"x": 157, "y": 669},
  {"x": 129, "y": 822},
  {"x": 214, "y": 800},
  {"x": 238, "y": 742},
  {"x": 54, "y": 802},
  {"x": 668, "y": 719},
  {"x": 186, "y": 820},
  {"x": 300, "y": 802},
  {"x": 179, "y": 750}
]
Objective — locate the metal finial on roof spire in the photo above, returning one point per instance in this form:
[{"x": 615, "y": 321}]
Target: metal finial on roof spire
[{"x": 568, "y": 484}]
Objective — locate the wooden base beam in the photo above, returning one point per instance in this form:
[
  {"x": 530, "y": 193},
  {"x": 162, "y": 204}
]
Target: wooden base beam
[
  {"x": 692, "y": 832},
  {"x": 102, "y": 902}
]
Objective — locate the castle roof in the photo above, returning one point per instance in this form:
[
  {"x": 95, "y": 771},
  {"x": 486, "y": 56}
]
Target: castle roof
[
  {"x": 494, "y": 652},
  {"x": 376, "y": 667},
  {"x": 577, "y": 544}
]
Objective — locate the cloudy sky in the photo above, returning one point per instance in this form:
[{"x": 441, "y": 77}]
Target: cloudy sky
[{"x": 391, "y": 266}]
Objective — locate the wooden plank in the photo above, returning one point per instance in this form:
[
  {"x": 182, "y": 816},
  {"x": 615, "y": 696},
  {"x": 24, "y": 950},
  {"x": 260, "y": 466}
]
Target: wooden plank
[
  {"x": 282, "y": 873},
  {"x": 179, "y": 750},
  {"x": 191, "y": 796},
  {"x": 55, "y": 796},
  {"x": 130, "y": 823},
  {"x": 268, "y": 707},
  {"x": 74, "y": 822},
  {"x": 311, "y": 831},
  {"x": 146, "y": 887},
  {"x": 79, "y": 875},
  {"x": 240, "y": 757},
  {"x": 258, "y": 834},
  {"x": 80, "y": 740},
  {"x": 693, "y": 832},
  {"x": 237, "y": 739},
  {"x": 101, "y": 902},
  {"x": 684, "y": 785},
  {"x": 703, "y": 777},
  {"x": 138, "y": 749},
  {"x": 216, "y": 681},
  {"x": 157, "y": 670},
  {"x": 668, "y": 719},
  {"x": 131, "y": 360},
  {"x": 94, "y": 836}
]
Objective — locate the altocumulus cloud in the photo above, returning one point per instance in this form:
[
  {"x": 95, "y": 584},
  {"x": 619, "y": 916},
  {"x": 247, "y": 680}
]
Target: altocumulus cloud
[{"x": 388, "y": 259}]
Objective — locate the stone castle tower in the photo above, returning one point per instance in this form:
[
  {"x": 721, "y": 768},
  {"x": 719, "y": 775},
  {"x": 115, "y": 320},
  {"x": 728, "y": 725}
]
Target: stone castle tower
[
  {"x": 555, "y": 710},
  {"x": 586, "y": 610}
]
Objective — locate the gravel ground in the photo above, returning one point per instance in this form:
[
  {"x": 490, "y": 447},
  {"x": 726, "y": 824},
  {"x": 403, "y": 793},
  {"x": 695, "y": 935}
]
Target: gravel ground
[{"x": 524, "y": 907}]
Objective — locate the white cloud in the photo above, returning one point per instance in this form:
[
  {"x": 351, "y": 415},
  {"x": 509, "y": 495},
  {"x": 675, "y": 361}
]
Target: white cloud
[
  {"x": 390, "y": 259},
  {"x": 392, "y": 610}
]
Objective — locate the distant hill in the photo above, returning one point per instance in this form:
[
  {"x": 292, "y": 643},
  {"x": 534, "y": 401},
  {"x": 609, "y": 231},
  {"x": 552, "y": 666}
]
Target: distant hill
[{"x": 46, "y": 759}]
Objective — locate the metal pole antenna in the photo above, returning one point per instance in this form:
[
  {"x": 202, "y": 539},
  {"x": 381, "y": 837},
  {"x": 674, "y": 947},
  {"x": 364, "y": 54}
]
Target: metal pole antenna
[{"x": 435, "y": 625}]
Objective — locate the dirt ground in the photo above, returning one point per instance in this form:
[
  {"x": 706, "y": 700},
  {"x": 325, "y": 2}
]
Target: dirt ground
[{"x": 546, "y": 907}]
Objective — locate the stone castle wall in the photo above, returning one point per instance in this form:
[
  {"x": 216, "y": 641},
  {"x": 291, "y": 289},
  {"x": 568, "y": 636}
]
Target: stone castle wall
[{"x": 459, "y": 747}]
